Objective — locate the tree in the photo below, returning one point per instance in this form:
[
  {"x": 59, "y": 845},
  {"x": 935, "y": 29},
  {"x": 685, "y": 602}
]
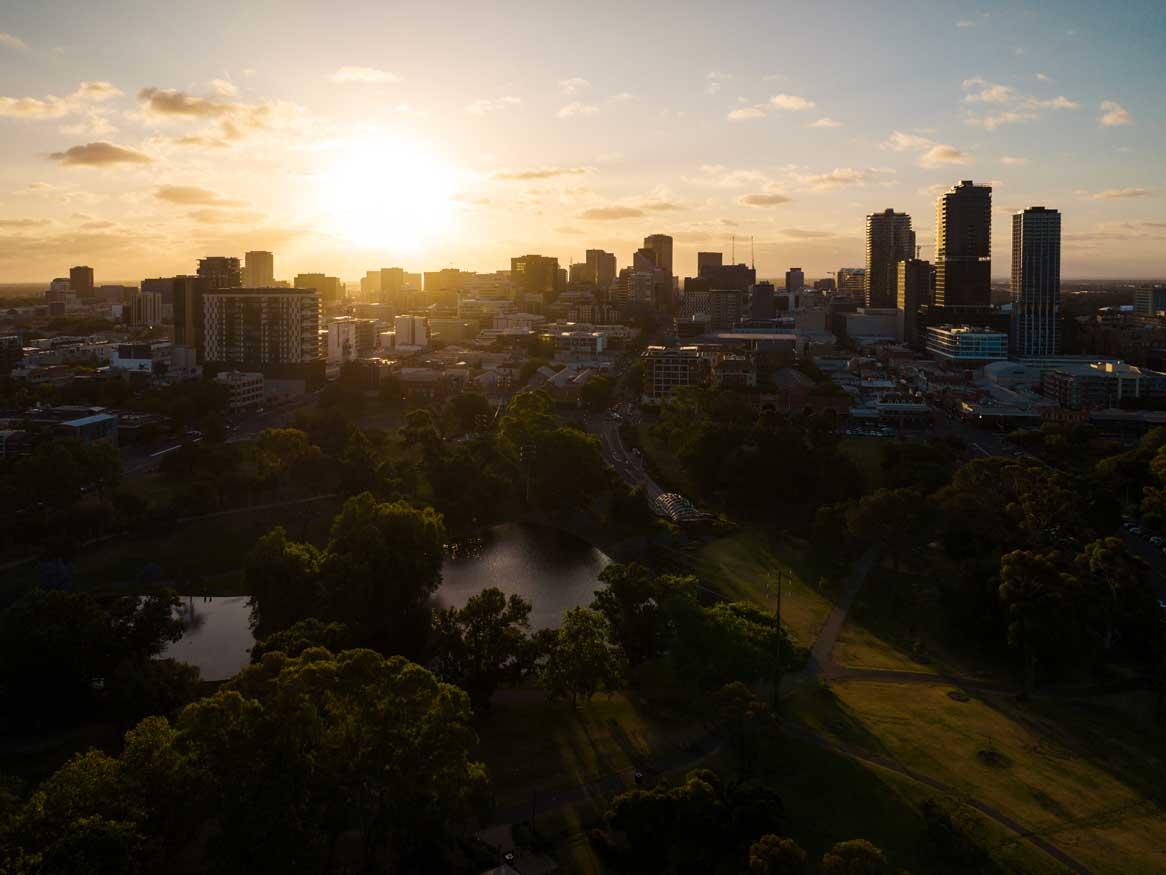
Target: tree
[
  {"x": 1119, "y": 576},
  {"x": 581, "y": 660},
  {"x": 855, "y": 857},
  {"x": 730, "y": 641},
  {"x": 1033, "y": 592},
  {"x": 895, "y": 518},
  {"x": 631, "y": 603},
  {"x": 303, "y": 635},
  {"x": 596, "y": 392},
  {"x": 744, "y": 721},
  {"x": 283, "y": 579},
  {"x": 381, "y": 565},
  {"x": 466, "y": 412},
  {"x": 774, "y": 855},
  {"x": 484, "y": 644}
]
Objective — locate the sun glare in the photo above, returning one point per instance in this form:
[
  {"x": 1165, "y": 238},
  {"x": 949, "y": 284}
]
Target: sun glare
[{"x": 388, "y": 193}]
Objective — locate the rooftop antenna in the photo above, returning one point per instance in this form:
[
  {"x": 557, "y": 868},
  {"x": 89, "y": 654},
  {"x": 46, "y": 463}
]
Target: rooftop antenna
[
  {"x": 752, "y": 254},
  {"x": 733, "y": 248}
]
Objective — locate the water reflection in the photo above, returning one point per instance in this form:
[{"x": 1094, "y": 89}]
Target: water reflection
[{"x": 551, "y": 569}]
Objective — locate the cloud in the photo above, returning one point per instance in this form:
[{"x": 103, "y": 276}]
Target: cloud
[
  {"x": 841, "y": 177},
  {"x": 574, "y": 85},
  {"x": 97, "y": 92},
  {"x": 33, "y": 108},
  {"x": 540, "y": 173},
  {"x": 825, "y": 122},
  {"x": 224, "y": 88},
  {"x": 941, "y": 154},
  {"x": 1058, "y": 102},
  {"x": 790, "y": 101},
  {"x": 485, "y": 105},
  {"x": 981, "y": 91},
  {"x": 194, "y": 195},
  {"x": 166, "y": 102},
  {"x": 1013, "y": 161},
  {"x": 965, "y": 23},
  {"x": 661, "y": 206},
  {"x": 722, "y": 177},
  {"x": 763, "y": 200},
  {"x": 577, "y": 108},
  {"x": 567, "y": 229},
  {"x": 901, "y": 142},
  {"x": 220, "y": 217},
  {"x": 1114, "y": 114},
  {"x": 746, "y": 113},
  {"x": 1044, "y": 77},
  {"x": 363, "y": 75},
  {"x": 24, "y": 223},
  {"x": 1120, "y": 193},
  {"x": 603, "y": 214},
  {"x": 807, "y": 233},
  {"x": 621, "y": 97},
  {"x": 100, "y": 154},
  {"x": 9, "y": 41},
  {"x": 715, "y": 80},
  {"x": 199, "y": 140},
  {"x": 992, "y": 121}
]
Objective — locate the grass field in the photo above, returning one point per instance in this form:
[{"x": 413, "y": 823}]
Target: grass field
[
  {"x": 1025, "y": 765},
  {"x": 742, "y": 565}
]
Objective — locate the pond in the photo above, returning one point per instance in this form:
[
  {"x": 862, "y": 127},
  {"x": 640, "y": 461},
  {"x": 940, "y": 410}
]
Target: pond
[{"x": 551, "y": 569}]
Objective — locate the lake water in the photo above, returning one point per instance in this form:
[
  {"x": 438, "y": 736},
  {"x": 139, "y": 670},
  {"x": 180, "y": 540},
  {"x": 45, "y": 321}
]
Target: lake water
[{"x": 553, "y": 570}]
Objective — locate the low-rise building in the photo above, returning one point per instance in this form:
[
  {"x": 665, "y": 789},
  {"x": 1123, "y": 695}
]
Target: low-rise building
[
  {"x": 966, "y": 345},
  {"x": 1100, "y": 385},
  {"x": 668, "y": 368},
  {"x": 245, "y": 388}
]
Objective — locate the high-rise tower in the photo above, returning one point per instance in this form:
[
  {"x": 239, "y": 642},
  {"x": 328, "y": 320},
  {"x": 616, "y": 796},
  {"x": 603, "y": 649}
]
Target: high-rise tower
[
  {"x": 963, "y": 247},
  {"x": 889, "y": 240},
  {"x": 1036, "y": 281}
]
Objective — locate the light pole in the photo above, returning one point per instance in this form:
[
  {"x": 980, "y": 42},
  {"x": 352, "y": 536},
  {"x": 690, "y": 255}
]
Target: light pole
[{"x": 777, "y": 671}]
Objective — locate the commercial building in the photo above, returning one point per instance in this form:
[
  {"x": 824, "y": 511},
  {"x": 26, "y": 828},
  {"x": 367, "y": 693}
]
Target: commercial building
[
  {"x": 966, "y": 345},
  {"x": 1150, "y": 300},
  {"x": 761, "y": 303},
  {"x": 1036, "y": 281},
  {"x": 668, "y": 368},
  {"x": 81, "y": 281},
  {"x": 601, "y": 268},
  {"x": 155, "y": 304},
  {"x": 851, "y": 281},
  {"x": 328, "y": 288},
  {"x": 889, "y": 240},
  {"x": 342, "y": 342},
  {"x": 914, "y": 282},
  {"x": 587, "y": 343},
  {"x": 410, "y": 331},
  {"x": 150, "y": 357},
  {"x": 661, "y": 244},
  {"x": 723, "y": 308},
  {"x": 963, "y": 248},
  {"x": 708, "y": 261},
  {"x": 245, "y": 388},
  {"x": 535, "y": 275},
  {"x": 258, "y": 269},
  {"x": 11, "y": 352},
  {"x": 727, "y": 276},
  {"x": 187, "y": 294},
  {"x": 266, "y": 330},
  {"x": 1099, "y": 385},
  {"x": 220, "y": 272}
]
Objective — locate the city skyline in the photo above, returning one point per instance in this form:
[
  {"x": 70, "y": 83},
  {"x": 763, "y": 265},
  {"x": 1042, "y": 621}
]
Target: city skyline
[{"x": 468, "y": 148}]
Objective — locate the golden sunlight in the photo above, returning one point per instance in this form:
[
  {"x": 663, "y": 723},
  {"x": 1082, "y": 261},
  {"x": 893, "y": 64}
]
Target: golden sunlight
[{"x": 382, "y": 191}]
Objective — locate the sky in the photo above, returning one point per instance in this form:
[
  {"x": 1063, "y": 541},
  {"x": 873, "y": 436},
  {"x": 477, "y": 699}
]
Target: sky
[{"x": 137, "y": 137}]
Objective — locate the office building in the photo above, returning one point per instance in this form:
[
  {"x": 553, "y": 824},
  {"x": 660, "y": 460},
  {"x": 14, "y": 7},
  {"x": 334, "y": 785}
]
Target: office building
[
  {"x": 188, "y": 321},
  {"x": 329, "y": 288},
  {"x": 411, "y": 331},
  {"x": 761, "y": 303},
  {"x": 81, "y": 281},
  {"x": 370, "y": 284},
  {"x": 966, "y": 345},
  {"x": 601, "y": 267},
  {"x": 661, "y": 244},
  {"x": 1150, "y": 300},
  {"x": 668, "y": 368},
  {"x": 220, "y": 272},
  {"x": 851, "y": 282},
  {"x": 795, "y": 282},
  {"x": 889, "y": 240},
  {"x": 914, "y": 281},
  {"x": 963, "y": 248},
  {"x": 262, "y": 330},
  {"x": 258, "y": 270},
  {"x": 826, "y": 284},
  {"x": 1100, "y": 385},
  {"x": 1036, "y": 281},
  {"x": 708, "y": 261},
  {"x": 245, "y": 389},
  {"x": 535, "y": 275},
  {"x": 727, "y": 276},
  {"x": 342, "y": 343},
  {"x": 157, "y": 301}
]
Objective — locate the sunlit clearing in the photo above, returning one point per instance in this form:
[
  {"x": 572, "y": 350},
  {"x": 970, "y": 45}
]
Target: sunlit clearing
[{"x": 386, "y": 192}]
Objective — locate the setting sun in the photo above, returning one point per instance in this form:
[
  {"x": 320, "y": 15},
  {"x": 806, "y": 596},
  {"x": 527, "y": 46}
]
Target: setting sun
[{"x": 386, "y": 192}]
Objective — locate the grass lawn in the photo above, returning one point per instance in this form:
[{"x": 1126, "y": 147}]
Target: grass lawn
[
  {"x": 867, "y": 454},
  {"x": 209, "y": 553},
  {"x": 529, "y": 744},
  {"x": 1028, "y": 768},
  {"x": 742, "y": 565},
  {"x": 859, "y": 647}
]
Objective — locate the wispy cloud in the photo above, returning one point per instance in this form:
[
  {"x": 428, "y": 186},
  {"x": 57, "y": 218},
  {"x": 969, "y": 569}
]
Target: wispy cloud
[
  {"x": 603, "y": 214},
  {"x": 1013, "y": 106},
  {"x": 87, "y": 95},
  {"x": 193, "y": 195},
  {"x": 540, "y": 173},
  {"x": 485, "y": 105},
  {"x": 365, "y": 75},
  {"x": 942, "y": 154},
  {"x": 1013, "y": 161},
  {"x": 790, "y": 101},
  {"x": 11, "y": 41},
  {"x": 100, "y": 154},
  {"x": 1044, "y": 77},
  {"x": 577, "y": 108},
  {"x": 825, "y": 122},
  {"x": 574, "y": 85},
  {"x": 746, "y": 113},
  {"x": 841, "y": 177},
  {"x": 715, "y": 80},
  {"x": 899, "y": 141},
  {"x": 964, "y": 23},
  {"x": 1114, "y": 114},
  {"x": 763, "y": 200},
  {"x": 1120, "y": 193}
]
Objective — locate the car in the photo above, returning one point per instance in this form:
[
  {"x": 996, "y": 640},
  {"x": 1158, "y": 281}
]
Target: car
[
  {"x": 1158, "y": 541},
  {"x": 1135, "y": 531}
]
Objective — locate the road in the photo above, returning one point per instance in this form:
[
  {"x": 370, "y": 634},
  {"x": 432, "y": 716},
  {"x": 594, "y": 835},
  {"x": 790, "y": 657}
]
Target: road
[{"x": 629, "y": 465}]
